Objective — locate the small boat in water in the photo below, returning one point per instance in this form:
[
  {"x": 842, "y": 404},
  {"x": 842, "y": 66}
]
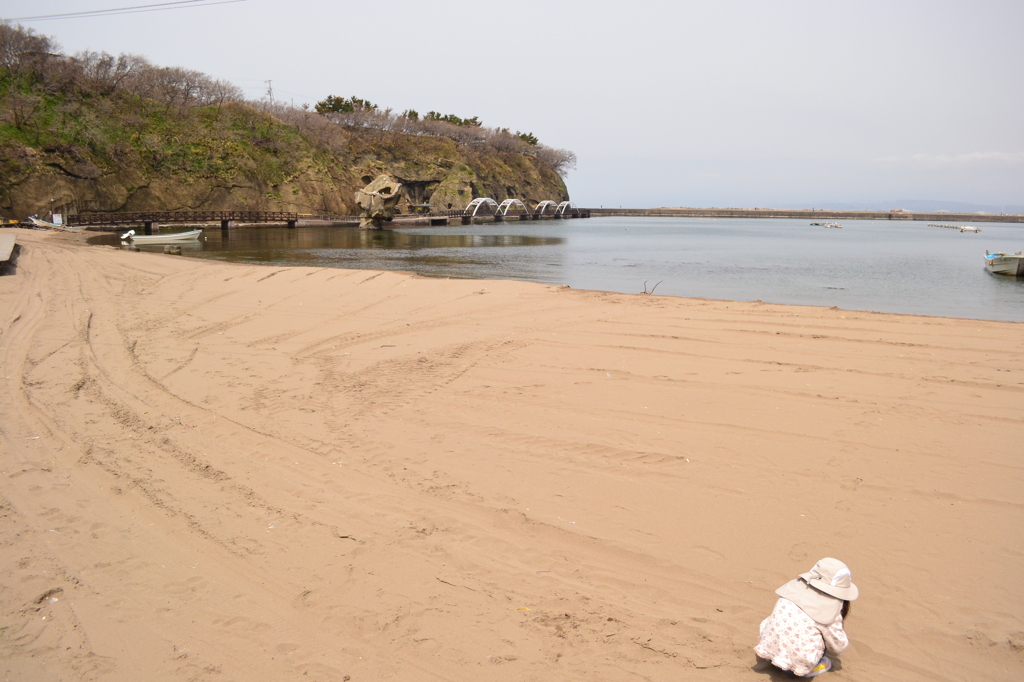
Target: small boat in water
[
  {"x": 160, "y": 238},
  {"x": 1005, "y": 263},
  {"x": 962, "y": 228},
  {"x": 826, "y": 225}
]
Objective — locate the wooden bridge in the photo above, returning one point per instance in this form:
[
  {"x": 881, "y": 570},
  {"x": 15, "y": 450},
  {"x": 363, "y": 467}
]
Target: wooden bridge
[
  {"x": 483, "y": 209},
  {"x": 149, "y": 219}
]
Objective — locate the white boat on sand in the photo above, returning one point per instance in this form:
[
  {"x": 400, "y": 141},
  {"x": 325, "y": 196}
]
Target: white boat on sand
[
  {"x": 39, "y": 222},
  {"x": 1005, "y": 263},
  {"x": 160, "y": 238}
]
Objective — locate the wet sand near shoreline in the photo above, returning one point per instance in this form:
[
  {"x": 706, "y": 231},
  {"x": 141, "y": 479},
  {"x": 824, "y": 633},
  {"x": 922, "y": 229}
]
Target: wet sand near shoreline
[{"x": 213, "y": 471}]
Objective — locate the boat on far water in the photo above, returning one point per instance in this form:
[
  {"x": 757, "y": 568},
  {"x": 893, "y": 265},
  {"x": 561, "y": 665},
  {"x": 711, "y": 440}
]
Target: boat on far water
[
  {"x": 826, "y": 224},
  {"x": 1005, "y": 263},
  {"x": 962, "y": 228},
  {"x": 173, "y": 237}
]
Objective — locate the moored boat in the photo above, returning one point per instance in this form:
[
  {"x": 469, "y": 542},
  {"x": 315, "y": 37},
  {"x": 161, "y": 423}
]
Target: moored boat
[
  {"x": 160, "y": 238},
  {"x": 962, "y": 228},
  {"x": 1002, "y": 263}
]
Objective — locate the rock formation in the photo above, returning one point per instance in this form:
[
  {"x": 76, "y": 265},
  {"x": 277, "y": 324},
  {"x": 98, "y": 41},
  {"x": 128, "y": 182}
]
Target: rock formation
[
  {"x": 377, "y": 202},
  {"x": 217, "y": 163}
]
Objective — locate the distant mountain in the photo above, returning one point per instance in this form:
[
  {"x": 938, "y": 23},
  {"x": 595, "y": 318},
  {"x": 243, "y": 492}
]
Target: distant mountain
[{"x": 918, "y": 206}]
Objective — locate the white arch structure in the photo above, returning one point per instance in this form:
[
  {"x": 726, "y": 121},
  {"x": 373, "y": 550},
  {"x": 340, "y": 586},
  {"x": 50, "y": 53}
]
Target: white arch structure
[
  {"x": 477, "y": 203},
  {"x": 566, "y": 206},
  {"x": 542, "y": 206},
  {"x": 509, "y": 203}
]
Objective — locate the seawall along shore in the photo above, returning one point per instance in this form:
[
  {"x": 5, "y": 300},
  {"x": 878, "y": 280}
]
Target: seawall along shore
[{"x": 804, "y": 214}]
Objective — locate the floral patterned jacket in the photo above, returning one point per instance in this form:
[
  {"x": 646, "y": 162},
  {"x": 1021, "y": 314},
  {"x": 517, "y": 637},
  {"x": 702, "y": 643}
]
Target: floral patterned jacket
[{"x": 791, "y": 640}]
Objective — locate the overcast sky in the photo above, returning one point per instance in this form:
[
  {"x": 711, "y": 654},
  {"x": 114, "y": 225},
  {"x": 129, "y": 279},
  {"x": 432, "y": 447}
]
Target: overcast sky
[{"x": 713, "y": 103}]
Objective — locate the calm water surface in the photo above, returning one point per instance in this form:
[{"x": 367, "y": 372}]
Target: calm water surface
[{"x": 900, "y": 267}]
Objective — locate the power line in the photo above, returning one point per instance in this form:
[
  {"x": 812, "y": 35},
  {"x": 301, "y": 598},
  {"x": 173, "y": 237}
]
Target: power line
[
  {"x": 135, "y": 9},
  {"x": 101, "y": 11}
]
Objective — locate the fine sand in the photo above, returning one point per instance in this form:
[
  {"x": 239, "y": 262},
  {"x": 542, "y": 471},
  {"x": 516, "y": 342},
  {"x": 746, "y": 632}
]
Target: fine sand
[{"x": 212, "y": 471}]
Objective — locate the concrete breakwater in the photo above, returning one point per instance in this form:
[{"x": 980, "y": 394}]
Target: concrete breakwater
[{"x": 808, "y": 214}]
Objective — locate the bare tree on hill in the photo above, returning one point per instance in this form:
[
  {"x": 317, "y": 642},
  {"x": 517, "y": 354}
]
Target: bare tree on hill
[{"x": 33, "y": 61}]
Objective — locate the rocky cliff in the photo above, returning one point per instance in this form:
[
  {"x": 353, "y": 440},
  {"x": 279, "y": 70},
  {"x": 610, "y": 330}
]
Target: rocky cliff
[
  {"x": 239, "y": 157},
  {"x": 94, "y": 132}
]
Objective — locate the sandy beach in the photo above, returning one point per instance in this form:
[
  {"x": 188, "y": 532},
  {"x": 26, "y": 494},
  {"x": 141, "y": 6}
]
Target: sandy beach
[{"x": 213, "y": 471}]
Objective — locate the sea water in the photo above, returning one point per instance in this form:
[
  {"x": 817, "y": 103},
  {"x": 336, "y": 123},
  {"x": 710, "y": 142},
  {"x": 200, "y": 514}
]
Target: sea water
[{"x": 887, "y": 266}]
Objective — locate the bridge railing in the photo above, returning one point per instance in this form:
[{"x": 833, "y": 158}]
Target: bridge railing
[
  {"x": 141, "y": 217},
  {"x": 163, "y": 217},
  {"x": 327, "y": 217}
]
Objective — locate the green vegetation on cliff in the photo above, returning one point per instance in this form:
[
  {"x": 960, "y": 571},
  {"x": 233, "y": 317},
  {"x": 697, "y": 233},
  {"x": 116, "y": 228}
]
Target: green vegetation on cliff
[{"x": 93, "y": 132}]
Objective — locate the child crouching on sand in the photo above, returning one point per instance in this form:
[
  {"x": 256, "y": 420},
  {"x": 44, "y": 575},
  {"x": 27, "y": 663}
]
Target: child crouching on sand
[{"x": 808, "y": 619}]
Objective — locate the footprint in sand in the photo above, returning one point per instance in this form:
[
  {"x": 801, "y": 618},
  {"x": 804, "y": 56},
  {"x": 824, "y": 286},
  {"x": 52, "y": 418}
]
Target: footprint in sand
[
  {"x": 708, "y": 552},
  {"x": 801, "y": 551}
]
